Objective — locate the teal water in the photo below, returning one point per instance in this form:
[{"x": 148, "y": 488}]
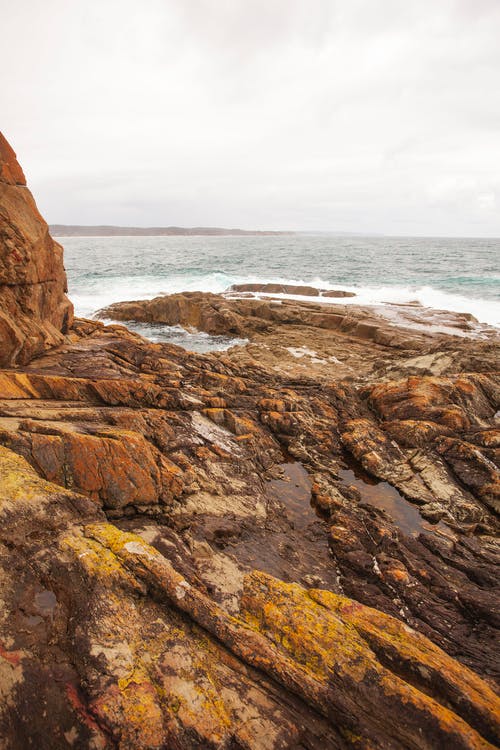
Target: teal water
[{"x": 462, "y": 275}]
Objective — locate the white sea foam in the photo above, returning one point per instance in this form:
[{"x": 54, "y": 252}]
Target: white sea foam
[
  {"x": 486, "y": 311},
  {"x": 95, "y": 294},
  {"x": 100, "y": 293}
]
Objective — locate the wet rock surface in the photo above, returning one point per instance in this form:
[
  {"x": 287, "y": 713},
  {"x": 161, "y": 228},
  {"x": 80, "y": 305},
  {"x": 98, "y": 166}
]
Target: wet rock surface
[{"x": 250, "y": 550}]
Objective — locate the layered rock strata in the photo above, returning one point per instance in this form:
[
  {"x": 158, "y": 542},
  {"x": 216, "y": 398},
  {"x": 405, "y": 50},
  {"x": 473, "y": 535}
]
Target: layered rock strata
[
  {"x": 221, "y": 551},
  {"x": 396, "y": 326},
  {"x": 35, "y": 312}
]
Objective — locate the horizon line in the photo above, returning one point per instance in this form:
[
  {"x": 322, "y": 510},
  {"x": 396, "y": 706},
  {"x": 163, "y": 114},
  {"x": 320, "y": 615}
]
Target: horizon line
[{"x": 173, "y": 230}]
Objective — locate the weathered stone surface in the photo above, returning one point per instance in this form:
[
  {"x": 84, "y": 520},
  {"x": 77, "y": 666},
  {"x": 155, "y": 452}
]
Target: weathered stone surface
[
  {"x": 127, "y": 652},
  {"x": 396, "y": 327},
  {"x": 34, "y": 310},
  {"x": 221, "y": 507},
  {"x": 292, "y": 544},
  {"x": 316, "y": 339}
]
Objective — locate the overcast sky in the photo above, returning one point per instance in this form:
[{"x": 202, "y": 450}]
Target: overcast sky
[{"x": 354, "y": 115}]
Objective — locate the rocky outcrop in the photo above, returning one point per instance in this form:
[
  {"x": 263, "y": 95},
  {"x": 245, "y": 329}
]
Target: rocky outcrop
[
  {"x": 321, "y": 340},
  {"x": 398, "y": 327},
  {"x": 298, "y": 289},
  {"x": 35, "y": 312},
  {"x": 159, "y": 629},
  {"x": 292, "y": 544},
  {"x": 123, "y": 650}
]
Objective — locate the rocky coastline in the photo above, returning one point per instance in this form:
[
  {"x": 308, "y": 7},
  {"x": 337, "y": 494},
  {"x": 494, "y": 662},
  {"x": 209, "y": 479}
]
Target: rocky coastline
[{"x": 289, "y": 544}]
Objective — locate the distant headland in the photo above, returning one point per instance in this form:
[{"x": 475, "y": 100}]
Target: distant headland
[{"x": 73, "y": 230}]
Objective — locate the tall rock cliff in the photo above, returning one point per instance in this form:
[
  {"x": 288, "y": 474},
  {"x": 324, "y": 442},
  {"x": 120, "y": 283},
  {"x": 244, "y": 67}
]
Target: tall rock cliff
[{"x": 34, "y": 309}]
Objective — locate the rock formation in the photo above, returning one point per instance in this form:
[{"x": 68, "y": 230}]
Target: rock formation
[
  {"x": 301, "y": 290},
  {"x": 35, "y": 312},
  {"x": 232, "y": 551},
  {"x": 394, "y": 325}
]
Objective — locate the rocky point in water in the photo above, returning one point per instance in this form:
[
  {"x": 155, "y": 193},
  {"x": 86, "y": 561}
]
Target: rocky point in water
[{"x": 291, "y": 544}]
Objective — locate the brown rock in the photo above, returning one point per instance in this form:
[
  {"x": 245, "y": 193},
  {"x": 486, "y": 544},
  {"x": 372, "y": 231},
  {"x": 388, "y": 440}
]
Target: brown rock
[
  {"x": 166, "y": 580},
  {"x": 10, "y": 170},
  {"x": 474, "y": 469},
  {"x": 337, "y": 293},
  {"x": 300, "y": 290},
  {"x": 35, "y": 312}
]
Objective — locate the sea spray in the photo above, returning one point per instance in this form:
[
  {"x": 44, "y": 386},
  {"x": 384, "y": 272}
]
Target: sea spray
[{"x": 460, "y": 275}]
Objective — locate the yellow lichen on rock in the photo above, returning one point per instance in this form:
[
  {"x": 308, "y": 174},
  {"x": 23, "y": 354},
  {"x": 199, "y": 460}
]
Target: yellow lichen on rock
[
  {"x": 412, "y": 654},
  {"x": 322, "y": 631},
  {"x": 19, "y": 481}
]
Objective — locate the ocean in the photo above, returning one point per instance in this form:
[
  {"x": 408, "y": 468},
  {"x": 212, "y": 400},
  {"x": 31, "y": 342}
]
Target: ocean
[{"x": 455, "y": 274}]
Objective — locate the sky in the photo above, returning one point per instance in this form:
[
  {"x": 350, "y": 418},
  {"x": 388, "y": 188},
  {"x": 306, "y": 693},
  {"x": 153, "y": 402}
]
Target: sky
[{"x": 371, "y": 116}]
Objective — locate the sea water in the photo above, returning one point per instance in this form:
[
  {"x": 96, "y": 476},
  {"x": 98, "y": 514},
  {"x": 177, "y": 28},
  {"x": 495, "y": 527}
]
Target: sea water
[{"x": 461, "y": 275}]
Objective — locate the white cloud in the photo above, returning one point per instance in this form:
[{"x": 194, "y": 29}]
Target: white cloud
[{"x": 369, "y": 115}]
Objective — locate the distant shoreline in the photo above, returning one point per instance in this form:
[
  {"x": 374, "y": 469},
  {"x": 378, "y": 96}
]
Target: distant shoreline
[
  {"x": 108, "y": 230},
  {"x": 78, "y": 230}
]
